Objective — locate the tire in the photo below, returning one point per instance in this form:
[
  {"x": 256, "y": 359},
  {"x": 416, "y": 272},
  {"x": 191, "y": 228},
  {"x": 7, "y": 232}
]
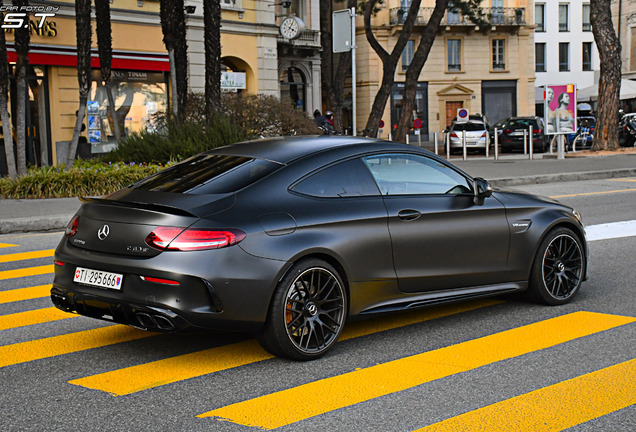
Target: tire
[
  {"x": 307, "y": 312},
  {"x": 558, "y": 268}
]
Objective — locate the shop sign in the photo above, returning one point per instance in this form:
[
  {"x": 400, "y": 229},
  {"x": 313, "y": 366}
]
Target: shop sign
[
  {"x": 233, "y": 80},
  {"x": 133, "y": 76}
]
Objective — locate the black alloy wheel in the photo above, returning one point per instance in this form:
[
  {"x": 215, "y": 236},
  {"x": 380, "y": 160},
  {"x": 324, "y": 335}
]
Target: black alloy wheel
[
  {"x": 558, "y": 268},
  {"x": 307, "y": 313}
]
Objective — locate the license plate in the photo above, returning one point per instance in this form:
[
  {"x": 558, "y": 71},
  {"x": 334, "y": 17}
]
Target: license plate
[{"x": 98, "y": 278}]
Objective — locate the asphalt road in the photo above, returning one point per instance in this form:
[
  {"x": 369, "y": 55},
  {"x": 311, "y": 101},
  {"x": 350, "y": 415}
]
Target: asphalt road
[{"x": 519, "y": 365}]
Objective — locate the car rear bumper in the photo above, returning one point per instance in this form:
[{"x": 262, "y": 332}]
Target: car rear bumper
[{"x": 225, "y": 289}]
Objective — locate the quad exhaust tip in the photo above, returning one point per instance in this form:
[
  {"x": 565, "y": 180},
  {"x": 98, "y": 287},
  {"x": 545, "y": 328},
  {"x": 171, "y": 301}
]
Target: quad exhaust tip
[{"x": 155, "y": 321}]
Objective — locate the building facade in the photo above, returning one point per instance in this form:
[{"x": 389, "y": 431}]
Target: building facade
[
  {"x": 488, "y": 69},
  {"x": 624, "y": 19},
  {"x": 255, "y": 59}
]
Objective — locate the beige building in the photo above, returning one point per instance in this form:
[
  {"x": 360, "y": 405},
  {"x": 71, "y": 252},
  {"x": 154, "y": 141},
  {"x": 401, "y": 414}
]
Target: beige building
[
  {"x": 487, "y": 70},
  {"x": 624, "y": 19}
]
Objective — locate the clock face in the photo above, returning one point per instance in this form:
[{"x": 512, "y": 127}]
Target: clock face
[{"x": 291, "y": 27}]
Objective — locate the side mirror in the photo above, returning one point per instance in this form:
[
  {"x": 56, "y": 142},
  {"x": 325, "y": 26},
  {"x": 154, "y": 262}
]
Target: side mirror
[{"x": 482, "y": 190}]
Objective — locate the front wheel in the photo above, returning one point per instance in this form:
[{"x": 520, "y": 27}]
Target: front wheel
[
  {"x": 558, "y": 268},
  {"x": 307, "y": 312}
]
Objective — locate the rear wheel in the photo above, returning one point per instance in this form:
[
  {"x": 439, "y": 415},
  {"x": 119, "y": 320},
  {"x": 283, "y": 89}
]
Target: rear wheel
[
  {"x": 558, "y": 268},
  {"x": 307, "y": 312}
]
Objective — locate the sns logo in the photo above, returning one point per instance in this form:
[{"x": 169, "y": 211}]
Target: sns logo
[{"x": 17, "y": 16}]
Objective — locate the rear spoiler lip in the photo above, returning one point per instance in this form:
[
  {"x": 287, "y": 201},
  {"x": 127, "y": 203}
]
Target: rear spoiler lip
[{"x": 162, "y": 208}]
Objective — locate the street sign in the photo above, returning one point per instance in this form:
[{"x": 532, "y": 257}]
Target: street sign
[
  {"x": 341, "y": 31},
  {"x": 417, "y": 123},
  {"x": 381, "y": 125},
  {"x": 462, "y": 115}
]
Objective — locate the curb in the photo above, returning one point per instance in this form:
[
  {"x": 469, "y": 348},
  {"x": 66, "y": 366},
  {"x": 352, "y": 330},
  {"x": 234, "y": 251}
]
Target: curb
[
  {"x": 49, "y": 223},
  {"x": 564, "y": 177}
]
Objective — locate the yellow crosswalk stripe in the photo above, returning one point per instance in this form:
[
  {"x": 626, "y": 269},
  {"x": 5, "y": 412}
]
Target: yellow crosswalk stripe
[
  {"x": 593, "y": 193},
  {"x": 69, "y": 343},
  {"x": 554, "y": 408},
  {"x": 283, "y": 408},
  {"x": 26, "y": 255},
  {"x": 38, "y": 316},
  {"x": 161, "y": 372},
  {"x": 25, "y": 293},
  {"x": 28, "y": 271},
  {"x": 6, "y": 245},
  {"x": 623, "y": 180}
]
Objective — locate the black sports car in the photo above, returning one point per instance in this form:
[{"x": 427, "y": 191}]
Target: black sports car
[{"x": 289, "y": 237}]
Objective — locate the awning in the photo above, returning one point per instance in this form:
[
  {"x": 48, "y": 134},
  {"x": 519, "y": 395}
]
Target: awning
[
  {"x": 67, "y": 56},
  {"x": 628, "y": 91}
]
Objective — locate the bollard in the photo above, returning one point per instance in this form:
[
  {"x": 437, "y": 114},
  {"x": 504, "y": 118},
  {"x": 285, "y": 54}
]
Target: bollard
[
  {"x": 531, "y": 142},
  {"x": 464, "y": 144},
  {"x": 407, "y": 138},
  {"x": 561, "y": 146},
  {"x": 390, "y": 137},
  {"x": 525, "y": 142},
  {"x": 435, "y": 138},
  {"x": 496, "y": 144},
  {"x": 448, "y": 145},
  {"x": 487, "y": 143},
  {"x": 419, "y": 139}
]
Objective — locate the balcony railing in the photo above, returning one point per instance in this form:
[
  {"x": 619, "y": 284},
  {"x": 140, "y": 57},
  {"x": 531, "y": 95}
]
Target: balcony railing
[
  {"x": 496, "y": 16},
  {"x": 309, "y": 38}
]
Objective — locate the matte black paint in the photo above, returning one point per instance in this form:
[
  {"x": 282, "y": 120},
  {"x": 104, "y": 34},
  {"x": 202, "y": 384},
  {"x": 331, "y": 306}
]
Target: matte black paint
[{"x": 393, "y": 252}]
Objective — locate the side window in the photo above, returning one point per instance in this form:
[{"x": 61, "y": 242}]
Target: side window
[
  {"x": 406, "y": 174},
  {"x": 346, "y": 179}
]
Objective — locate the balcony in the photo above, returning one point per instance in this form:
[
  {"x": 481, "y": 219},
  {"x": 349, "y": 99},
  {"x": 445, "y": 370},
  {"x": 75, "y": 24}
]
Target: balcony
[
  {"x": 309, "y": 39},
  {"x": 496, "y": 16}
]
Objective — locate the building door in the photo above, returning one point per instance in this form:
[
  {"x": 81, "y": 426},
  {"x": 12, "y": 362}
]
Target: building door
[
  {"x": 499, "y": 99},
  {"x": 292, "y": 88},
  {"x": 451, "y": 110},
  {"x": 420, "y": 110}
]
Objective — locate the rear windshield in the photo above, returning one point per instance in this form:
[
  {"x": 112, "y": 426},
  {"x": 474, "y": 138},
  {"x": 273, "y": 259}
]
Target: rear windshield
[
  {"x": 208, "y": 174},
  {"x": 522, "y": 123},
  {"x": 469, "y": 127}
]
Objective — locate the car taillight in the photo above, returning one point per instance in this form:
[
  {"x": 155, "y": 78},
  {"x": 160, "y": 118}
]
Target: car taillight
[
  {"x": 454, "y": 135},
  {"x": 538, "y": 131},
  {"x": 507, "y": 131},
  {"x": 180, "y": 239},
  {"x": 71, "y": 228},
  {"x": 483, "y": 135},
  {"x": 160, "y": 280}
]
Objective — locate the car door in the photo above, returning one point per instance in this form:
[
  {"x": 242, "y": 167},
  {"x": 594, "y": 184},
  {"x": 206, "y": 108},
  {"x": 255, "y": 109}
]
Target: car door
[{"x": 440, "y": 238}]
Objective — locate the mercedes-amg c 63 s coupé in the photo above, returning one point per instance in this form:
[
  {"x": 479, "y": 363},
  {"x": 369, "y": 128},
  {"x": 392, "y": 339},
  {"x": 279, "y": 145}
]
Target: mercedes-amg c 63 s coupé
[{"x": 288, "y": 238}]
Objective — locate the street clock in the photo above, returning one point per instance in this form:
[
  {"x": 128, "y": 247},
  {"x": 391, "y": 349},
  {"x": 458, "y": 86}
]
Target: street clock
[{"x": 292, "y": 27}]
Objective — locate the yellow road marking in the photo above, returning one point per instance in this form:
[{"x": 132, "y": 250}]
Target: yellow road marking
[
  {"x": 38, "y": 316},
  {"x": 594, "y": 193},
  {"x": 29, "y": 271},
  {"x": 69, "y": 343},
  {"x": 141, "y": 377},
  {"x": 27, "y": 255},
  {"x": 554, "y": 408},
  {"x": 283, "y": 408},
  {"x": 25, "y": 293},
  {"x": 623, "y": 180},
  {"x": 6, "y": 245}
]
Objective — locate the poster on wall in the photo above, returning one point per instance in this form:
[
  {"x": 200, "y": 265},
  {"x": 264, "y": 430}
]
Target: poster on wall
[
  {"x": 94, "y": 136},
  {"x": 93, "y": 107},
  {"x": 560, "y": 108}
]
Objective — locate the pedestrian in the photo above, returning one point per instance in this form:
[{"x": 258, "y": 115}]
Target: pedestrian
[{"x": 319, "y": 118}]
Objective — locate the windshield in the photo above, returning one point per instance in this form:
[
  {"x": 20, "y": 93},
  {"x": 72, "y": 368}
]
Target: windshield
[
  {"x": 521, "y": 123},
  {"x": 469, "y": 127}
]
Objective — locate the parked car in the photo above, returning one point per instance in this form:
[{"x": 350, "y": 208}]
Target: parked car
[
  {"x": 511, "y": 137},
  {"x": 627, "y": 130},
  {"x": 499, "y": 126},
  {"x": 288, "y": 237},
  {"x": 583, "y": 138},
  {"x": 475, "y": 132}
]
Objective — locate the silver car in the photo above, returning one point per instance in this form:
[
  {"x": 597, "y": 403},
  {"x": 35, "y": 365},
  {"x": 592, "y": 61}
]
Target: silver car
[{"x": 476, "y": 136}]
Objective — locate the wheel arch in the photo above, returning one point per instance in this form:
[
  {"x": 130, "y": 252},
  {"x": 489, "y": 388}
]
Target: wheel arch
[{"x": 565, "y": 223}]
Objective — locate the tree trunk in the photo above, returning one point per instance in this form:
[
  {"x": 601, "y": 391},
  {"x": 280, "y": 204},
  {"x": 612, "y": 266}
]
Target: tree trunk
[
  {"x": 112, "y": 110},
  {"x": 609, "y": 85},
  {"x": 173, "y": 82},
  {"x": 22, "y": 42},
  {"x": 6, "y": 132},
  {"x": 4, "y": 113},
  {"x": 212, "y": 24},
  {"x": 180, "y": 55},
  {"x": 389, "y": 61},
  {"x": 415, "y": 68},
  {"x": 83, "y": 36},
  {"x": 105, "y": 47}
]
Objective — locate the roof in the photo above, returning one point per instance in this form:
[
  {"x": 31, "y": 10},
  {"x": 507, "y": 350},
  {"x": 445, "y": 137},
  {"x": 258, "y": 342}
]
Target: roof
[{"x": 286, "y": 149}]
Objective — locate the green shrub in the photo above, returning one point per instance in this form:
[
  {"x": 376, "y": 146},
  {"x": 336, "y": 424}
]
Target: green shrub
[{"x": 84, "y": 179}]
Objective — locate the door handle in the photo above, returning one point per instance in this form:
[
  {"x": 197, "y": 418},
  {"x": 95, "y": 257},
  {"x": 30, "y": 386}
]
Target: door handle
[{"x": 409, "y": 214}]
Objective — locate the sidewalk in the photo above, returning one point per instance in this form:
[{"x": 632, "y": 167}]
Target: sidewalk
[{"x": 509, "y": 170}]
